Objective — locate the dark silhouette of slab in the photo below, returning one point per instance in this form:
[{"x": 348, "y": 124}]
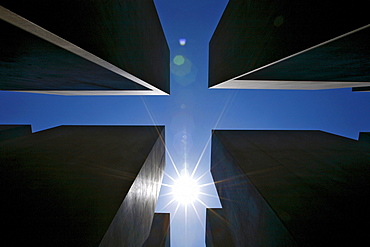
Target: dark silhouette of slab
[
  {"x": 291, "y": 45},
  {"x": 292, "y": 188},
  {"x": 217, "y": 229},
  {"x": 361, "y": 89},
  {"x": 13, "y": 131},
  {"x": 160, "y": 232},
  {"x": 84, "y": 47},
  {"x": 67, "y": 186},
  {"x": 364, "y": 137}
]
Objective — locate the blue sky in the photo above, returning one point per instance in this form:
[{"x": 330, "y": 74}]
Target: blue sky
[{"x": 192, "y": 110}]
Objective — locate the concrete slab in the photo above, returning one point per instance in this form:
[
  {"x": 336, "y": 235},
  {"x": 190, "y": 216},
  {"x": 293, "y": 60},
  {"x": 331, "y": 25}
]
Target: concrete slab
[
  {"x": 12, "y": 131},
  {"x": 160, "y": 232},
  {"x": 292, "y": 188},
  {"x": 99, "y": 47},
  {"x": 66, "y": 186},
  {"x": 290, "y": 45},
  {"x": 217, "y": 229}
]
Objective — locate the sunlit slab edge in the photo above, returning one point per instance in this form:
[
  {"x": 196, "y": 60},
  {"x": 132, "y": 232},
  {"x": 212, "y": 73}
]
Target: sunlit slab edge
[
  {"x": 92, "y": 92},
  {"x": 40, "y": 32},
  {"x": 234, "y": 83},
  {"x": 288, "y": 85}
]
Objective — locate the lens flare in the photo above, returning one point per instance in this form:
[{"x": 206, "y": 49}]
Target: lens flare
[
  {"x": 182, "y": 41},
  {"x": 179, "y": 60}
]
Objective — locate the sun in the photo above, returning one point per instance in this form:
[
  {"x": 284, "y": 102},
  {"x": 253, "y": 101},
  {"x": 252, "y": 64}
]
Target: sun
[{"x": 185, "y": 189}]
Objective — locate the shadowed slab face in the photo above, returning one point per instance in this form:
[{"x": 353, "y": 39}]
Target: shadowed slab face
[
  {"x": 217, "y": 229},
  {"x": 31, "y": 63},
  {"x": 342, "y": 60},
  {"x": 308, "y": 186},
  {"x": 252, "y": 34},
  {"x": 64, "y": 186},
  {"x": 160, "y": 231},
  {"x": 123, "y": 36}
]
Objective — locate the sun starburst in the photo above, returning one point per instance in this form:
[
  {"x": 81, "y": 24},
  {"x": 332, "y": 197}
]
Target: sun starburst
[{"x": 185, "y": 189}]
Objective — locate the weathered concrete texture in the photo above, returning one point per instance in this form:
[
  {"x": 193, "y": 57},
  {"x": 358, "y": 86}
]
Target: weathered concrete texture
[
  {"x": 64, "y": 186},
  {"x": 13, "y": 131},
  {"x": 123, "y": 41},
  {"x": 254, "y": 44},
  {"x": 217, "y": 229},
  {"x": 160, "y": 231},
  {"x": 292, "y": 188}
]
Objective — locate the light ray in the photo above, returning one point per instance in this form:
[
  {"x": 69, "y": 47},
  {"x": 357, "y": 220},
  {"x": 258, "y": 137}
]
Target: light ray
[
  {"x": 216, "y": 124},
  {"x": 225, "y": 180},
  {"x": 172, "y": 162},
  {"x": 163, "y": 142},
  {"x": 168, "y": 204},
  {"x": 167, "y": 185},
  {"x": 168, "y": 175},
  {"x": 174, "y": 214},
  {"x": 218, "y": 216},
  {"x": 206, "y": 194},
  {"x": 205, "y": 173},
  {"x": 202, "y": 203},
  {"x": 207, "y": 184},
  {"x": 167, "y": 194},
  {"x": 196, "y": 212},
  {"x": 230, "y": 200},
  {"x": 201, "y": 157},
  {"x": 177, "y": 208},
  {"x": 229, "y": 100},
  {"x": 186, "y": 223}
]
